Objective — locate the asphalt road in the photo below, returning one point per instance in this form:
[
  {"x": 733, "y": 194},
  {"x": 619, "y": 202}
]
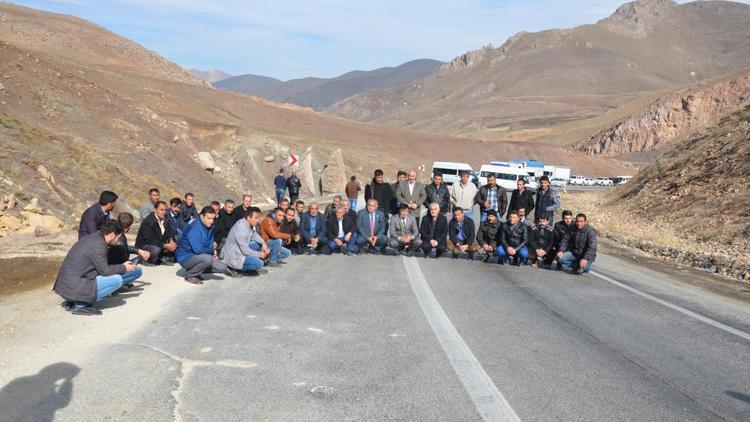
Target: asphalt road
[{"x": 410, "y": 339}]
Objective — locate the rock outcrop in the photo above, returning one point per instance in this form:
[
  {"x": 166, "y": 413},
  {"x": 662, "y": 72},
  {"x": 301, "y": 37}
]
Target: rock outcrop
[
  {"x": 638, "y": 19},
  {"x": 334, "y": 174},
  {"x": 671, "y": 118}
]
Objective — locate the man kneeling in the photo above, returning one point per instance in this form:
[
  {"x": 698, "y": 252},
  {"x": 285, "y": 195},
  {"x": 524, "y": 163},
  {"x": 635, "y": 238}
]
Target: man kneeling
[
  {"x": 578, "y": 247},
  {"x": 196, "y": 251},
  {"x": 513, "y": 239},
  {"x": 404, "y": 232},
  {"x": 244, "y": 249},
  {"x": 85, "y": 276}
]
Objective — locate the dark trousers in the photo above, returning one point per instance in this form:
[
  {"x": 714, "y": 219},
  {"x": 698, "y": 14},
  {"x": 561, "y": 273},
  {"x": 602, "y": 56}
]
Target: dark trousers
[
  {"x": 427, "y": 248},
  {"x": 157, "y": 253}
]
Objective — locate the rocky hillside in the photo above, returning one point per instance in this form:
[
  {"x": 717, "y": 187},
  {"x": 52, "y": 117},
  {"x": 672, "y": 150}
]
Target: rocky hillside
[
  {"x": 698, "y": 190},
  {"x": 671, "y": 118},
  {"x": 71, "y": 126},
  {"x": 321, "y": 93},
  {"x": 555, "y": 77}
]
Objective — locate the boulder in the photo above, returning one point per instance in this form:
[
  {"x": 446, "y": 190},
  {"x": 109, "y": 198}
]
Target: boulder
[
  {"x": 334, "y": 174},
  {"x": 206, "y": 160},
  {"x": 10, "y": 223},
  {"x": 269, "y": 158},
  {"x": 41, "y": 231},
  {"x": 33, "y": 206},
  {"x": 305, "y": 173},
  {"x": 32, "y": 221}
]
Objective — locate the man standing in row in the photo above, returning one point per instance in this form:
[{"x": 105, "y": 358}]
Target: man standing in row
[
  {"x": 491, "y": 197},
  {"x": 148, "y": 206},
  {"x": 293, "y": 184},
  {"x": 521, "y": 198},
  {"x": 352, "y": 190},
  {"x": 547, "y": 200},
  {"x": 463, "y": 193},
  {"x": 380, "y": 192},
  {"x": 437, "y": 193},
  {"x": 412, "y": 193},
  {"x": 279, "y": 183}
]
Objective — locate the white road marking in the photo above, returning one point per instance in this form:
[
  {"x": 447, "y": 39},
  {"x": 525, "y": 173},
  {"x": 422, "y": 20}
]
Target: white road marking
[
  {"x": 490, "y": 403},
  {"x": 699, "y": 317}
]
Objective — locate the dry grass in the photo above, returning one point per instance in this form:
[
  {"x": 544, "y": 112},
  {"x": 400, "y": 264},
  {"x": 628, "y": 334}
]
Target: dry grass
[{"x": 659, "y": 235}]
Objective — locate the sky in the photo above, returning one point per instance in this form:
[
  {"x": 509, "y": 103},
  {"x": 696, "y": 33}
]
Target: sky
[{"x": 289, "y": 39}]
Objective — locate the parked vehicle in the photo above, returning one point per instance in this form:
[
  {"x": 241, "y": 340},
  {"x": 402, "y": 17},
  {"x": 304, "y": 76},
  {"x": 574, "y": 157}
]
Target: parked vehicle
[
  {"x": 603, "y": 181},
  {"x": 506, "y": 176},
  {"x": 557, "y": 172},
  {"x": 558, "y": 183},
  {"x": 589, "y": 182},
  {"x": 450, "y": 170},
  {"x": 534, "y": 168},
  {"x": 577, "y": 180},
  {"x": 619, "y": 180}
]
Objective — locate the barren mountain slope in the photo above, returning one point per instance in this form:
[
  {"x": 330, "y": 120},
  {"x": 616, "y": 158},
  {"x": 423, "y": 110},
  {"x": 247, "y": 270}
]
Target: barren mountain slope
[
  {"x": 320, "y": 93},
  {"x": 548, "y": 78},
  {"x": 71, "y": 129},
  {"x": 672, "y": 118}
]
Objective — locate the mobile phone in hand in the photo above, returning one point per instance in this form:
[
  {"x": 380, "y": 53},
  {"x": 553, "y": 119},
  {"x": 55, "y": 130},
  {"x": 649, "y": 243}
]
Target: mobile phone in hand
[{"x": 136, "y": 260}]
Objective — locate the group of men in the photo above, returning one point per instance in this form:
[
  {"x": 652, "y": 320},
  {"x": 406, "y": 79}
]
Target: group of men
[{"x": 236, "y": 239}]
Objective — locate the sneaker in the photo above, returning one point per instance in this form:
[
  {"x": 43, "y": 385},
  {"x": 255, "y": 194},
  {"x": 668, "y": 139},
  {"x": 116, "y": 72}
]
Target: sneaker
[
  {"x": 281, "y": 261},
  {"x": 578, "y": 271},
  {"x": 273, "y": 265},
  {"x": 194, "y": 280},
  {"x": 261, "y": 271},
  {"x": 85, "y": 311},
  {"x": 486, "y": 258}
]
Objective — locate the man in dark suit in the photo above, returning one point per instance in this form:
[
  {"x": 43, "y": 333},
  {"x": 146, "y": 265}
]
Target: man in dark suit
[
  {"x": 157, "y": 236},
  {"x": 313, "y": 229},
  {"x": 371, "y": 228},
  {"x": 341, "y": 233},
  {"x": 93, "y": 218},
  {"x": 433, "y": 231}
]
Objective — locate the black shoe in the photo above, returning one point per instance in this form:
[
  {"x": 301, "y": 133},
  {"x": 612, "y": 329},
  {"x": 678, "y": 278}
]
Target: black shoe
[
  {"x": 282, "y": 262},
  {"x": 375, "y": 252},
  {"x": 167, "y": 261},
  {"x": 500, "y": 261},
  {"x": 273, "y": 265},
  {"x": 471, "y": 257},
  {"x": 67, "y": 305},
  {"x": 409, "y": 254},
  {"x": 454, "y": 256},
  {"x": 231, "y": 272},
  {"x": 486, "y": 258},
  {"x": 578, "y": 271},
  {"x": 86, "y": 311},
  {"x": 261, "y": 271},
  {"x": 194, "y": 280}
]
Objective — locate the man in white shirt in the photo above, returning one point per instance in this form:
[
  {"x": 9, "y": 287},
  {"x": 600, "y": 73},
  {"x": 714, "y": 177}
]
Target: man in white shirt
[{"x": 463, "y": 193}]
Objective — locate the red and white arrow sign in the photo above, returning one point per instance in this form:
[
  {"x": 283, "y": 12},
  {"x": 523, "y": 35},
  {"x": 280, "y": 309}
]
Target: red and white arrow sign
[{"x": 293, "y": 159}]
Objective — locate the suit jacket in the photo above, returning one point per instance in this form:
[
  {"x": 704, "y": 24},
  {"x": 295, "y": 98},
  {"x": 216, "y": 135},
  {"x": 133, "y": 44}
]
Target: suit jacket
[
  {"x": 398, "y": 229},
  {"x": 363, "y": 223},
  {"x": 431, "y": 229},
  {"x": 306, "y": 223},
  {"x": 237, "y": 245},
  {"x": 76, "y": 279},
  {"x": 150, "y": 234},
  {"x": 332, "y": 229},
  {"x": 418, "y": 196},
  {"x": 91, "y": 220},
  {"x": 470, "y": 234}
]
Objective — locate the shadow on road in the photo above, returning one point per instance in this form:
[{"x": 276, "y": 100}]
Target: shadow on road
[
  {"x": 738, "y": 396},
  {"x": 38, "y": 397}
]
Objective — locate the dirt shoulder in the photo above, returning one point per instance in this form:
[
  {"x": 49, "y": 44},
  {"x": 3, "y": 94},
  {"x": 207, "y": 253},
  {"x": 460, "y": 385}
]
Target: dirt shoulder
[{"x": 659, "y": 237}]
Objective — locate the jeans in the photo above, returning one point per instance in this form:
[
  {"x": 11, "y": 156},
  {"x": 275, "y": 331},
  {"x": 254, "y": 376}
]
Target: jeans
[
  {"x": 574, "y": 262},
  {"x": 278, "y": 252},
  {"x": 522, "y": 253},
  {"x": 280, "y": 195},
  {"x": 351, "y": 246},
  {"x": 252, "y": 263},
  {"x": 353, "y": 204},
  {"x": 106, "y": 285}
]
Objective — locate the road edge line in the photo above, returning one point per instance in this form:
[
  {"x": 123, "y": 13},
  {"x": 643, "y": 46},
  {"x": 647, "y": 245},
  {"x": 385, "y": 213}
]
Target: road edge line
[{"x": 699, "y": 317}]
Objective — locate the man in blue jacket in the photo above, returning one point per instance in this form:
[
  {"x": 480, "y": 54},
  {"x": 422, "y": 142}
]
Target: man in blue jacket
[
  {"x": 371, "y": 228},
  {"x": 196, "y": 251},
  {"x": 313, "y": 229},
  {"x": 279, "y": 183}
]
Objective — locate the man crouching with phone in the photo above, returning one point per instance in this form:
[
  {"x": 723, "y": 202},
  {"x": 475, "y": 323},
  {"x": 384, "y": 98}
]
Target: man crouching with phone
[{"x": 86, "y": 277}]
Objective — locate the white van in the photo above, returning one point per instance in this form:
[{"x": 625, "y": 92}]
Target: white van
[
  {"x": 450, "y": 171},
  {"x": 506, "y": 176}
]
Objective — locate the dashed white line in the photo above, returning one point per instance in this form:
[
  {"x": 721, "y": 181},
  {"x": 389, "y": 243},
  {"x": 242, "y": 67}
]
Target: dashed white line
[
  {"x": 699, "y": 317},
  {"x": 490, "y": 403}
]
